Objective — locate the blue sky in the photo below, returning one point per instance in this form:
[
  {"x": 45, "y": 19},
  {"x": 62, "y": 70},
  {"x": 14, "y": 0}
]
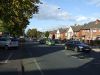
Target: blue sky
[{"x": 63, "y": 13}]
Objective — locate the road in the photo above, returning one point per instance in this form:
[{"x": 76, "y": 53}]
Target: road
[{"x": 35, "y": 59}]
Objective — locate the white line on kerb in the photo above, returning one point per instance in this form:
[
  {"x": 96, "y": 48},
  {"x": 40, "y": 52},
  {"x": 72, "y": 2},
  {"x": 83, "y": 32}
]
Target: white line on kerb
[
  {"x": 6, "y": 61},
  {"x": 35, "y": 61},
  {"x": 37, "y": 65},
  {"x": 10, "y": 55}
]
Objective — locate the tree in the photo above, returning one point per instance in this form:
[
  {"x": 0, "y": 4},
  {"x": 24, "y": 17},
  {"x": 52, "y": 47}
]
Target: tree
[
  {"x": 46, "y": 34},
  {"x": 39, "y": 34},
  {"x": 16, "y": 14},
  {"x": 1, "y": 26},
  {"x": 32, "y": 33}
]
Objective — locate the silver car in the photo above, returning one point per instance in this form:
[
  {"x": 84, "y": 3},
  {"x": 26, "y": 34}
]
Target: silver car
[{"x": 8, "y": 42}]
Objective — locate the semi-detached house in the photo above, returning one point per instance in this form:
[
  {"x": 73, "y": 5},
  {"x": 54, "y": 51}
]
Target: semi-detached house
[{"x": 88, "y": 31}]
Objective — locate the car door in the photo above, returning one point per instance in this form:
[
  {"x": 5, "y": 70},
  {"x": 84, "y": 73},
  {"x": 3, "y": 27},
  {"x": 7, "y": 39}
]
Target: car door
[
  {"x": 14, "y": 42},
  {"x": 3, "y": 41},
  {"x": 71, "y": 45}
]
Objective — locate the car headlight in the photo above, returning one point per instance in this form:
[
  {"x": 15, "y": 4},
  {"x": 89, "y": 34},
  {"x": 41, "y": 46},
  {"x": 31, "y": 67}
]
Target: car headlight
[{"x": 80, "y": 46}]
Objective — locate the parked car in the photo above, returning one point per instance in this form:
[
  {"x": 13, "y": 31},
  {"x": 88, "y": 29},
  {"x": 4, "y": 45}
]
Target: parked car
[
  {"x": 21, "y": 40},
  {"x": 8, "y": 42},
  {"x": 42, "y": 41},
  {"x": 50, "y": 42},
  {"x": 77, "y": 46},
  {"x": 57, "y": 41}
]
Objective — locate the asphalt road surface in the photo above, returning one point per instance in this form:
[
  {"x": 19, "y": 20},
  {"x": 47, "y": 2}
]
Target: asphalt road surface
[{"x": 35, "y": 59}]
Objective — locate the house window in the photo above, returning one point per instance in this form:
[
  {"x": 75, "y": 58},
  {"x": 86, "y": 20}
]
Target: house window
[
  {"x": 87, "y": 31},
  {"x": 94, "y": 30},
  {"x": 83, "y": 31}
]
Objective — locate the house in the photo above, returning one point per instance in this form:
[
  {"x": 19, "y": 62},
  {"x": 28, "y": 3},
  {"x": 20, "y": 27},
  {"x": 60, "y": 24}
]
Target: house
[
  {"x": 74, "y": 32},
  {"x": 62, "y": 33},
  {"x": 53, "y": 34},
  {"x": 91, "y": 30}
]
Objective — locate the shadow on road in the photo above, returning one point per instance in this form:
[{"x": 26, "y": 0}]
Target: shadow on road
[
  {"x": 90, "y": 68},
  {"x": 68, "y": 71},
  {"x": 31, "y": 51}
]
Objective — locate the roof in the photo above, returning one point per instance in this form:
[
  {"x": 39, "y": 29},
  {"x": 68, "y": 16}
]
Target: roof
[
  {"x": 93, "y": 24},
  {"x": 53, "y": 32},
  {"x": 76, "y": 28},
  {"x": 62, "y": 30}
]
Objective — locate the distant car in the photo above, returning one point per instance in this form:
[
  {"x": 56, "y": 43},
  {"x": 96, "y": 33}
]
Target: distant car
[
  {"x": 8, "y": 42},
  {"x": 42, "y": 41},
  {"x": 57, "y": 41},
  {"x": 21, "y": 39},
  {"x": 77, "y": 46},
  {"x": 50, "y": 42}
]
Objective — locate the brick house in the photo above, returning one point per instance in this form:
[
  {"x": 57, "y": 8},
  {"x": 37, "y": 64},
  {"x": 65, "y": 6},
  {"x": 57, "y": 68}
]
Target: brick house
[
  {"x": 53, "y": 34},
  {"x": 74, "y": 32},
  {"x": 76, "y": 29},
  {"x": 62, "y": 33},
  {"x": 90, "y": 31}
]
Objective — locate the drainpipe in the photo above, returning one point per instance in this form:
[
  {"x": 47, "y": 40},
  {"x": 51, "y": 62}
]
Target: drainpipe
[{"x": 91, "y": 33}]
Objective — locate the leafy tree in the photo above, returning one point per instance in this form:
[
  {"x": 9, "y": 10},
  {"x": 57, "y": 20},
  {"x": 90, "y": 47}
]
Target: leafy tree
[
  {"x": 16, "y": 14},
  {"x": 1, "y": 26},
  {"x": 39, "y": 34},
  {"x": 46, "y": 34},
  {"x": 33, "y": 33},
  {"x": 29, "y": 34}
]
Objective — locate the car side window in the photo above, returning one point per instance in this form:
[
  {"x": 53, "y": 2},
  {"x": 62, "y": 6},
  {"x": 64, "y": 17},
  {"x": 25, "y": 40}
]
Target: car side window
[{"x": 70, "y": 42}]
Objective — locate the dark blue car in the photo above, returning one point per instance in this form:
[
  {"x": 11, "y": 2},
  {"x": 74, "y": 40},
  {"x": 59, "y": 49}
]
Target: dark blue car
[{"x": 77, "y": 46}]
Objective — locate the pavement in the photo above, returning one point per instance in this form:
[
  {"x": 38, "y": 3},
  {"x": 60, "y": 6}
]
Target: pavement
[{"x": 96, "y": 48}]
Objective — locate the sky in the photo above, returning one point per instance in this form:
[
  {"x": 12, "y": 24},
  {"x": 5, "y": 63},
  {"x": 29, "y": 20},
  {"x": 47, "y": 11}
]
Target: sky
[{"x": 55, "y": 14}]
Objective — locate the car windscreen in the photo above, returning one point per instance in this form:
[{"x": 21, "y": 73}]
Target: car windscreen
[
  {"x": 13, "y": 39},
  {"x": 77, "y": 42},
  {"x": 3, "y": 39}
]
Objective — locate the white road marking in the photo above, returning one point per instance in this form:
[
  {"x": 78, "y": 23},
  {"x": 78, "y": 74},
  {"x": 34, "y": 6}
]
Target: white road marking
[
  {"x": 3, "y": 62},
  {"x": 6, "y": 61},
  {"x": 10, "y": 55},
  {"x": 37, "y": 65},
  {"x": 39, "y": 68}
]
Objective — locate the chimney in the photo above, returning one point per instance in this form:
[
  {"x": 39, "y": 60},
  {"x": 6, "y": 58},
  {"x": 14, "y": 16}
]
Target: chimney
[{"x": 97, "y": 21}]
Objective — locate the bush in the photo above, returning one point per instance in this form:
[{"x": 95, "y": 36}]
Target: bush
[{"x": 97, "y": 42}]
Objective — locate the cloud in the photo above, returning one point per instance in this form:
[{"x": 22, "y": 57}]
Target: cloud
[
  {"x": 84, "y": 18},
  {"x": 95, "y": 2},
  {"x": 51, "y": 12}
]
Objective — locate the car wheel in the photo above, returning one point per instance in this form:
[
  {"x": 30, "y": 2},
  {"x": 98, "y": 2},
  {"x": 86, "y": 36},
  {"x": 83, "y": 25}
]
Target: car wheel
[{"x": 76, "y": 49}]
